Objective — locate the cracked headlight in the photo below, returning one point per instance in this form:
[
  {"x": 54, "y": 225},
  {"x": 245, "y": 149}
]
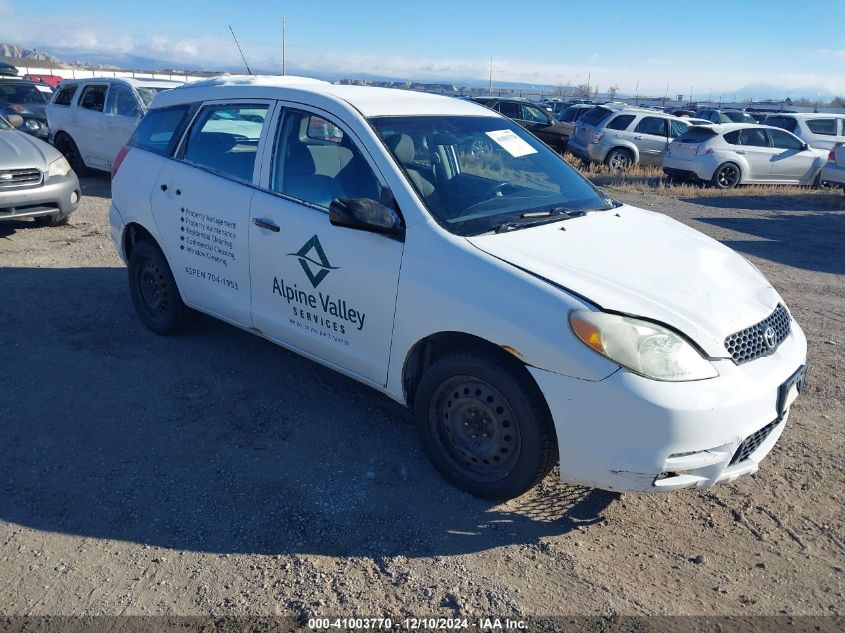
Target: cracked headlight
[
  {"x": 645, "y": 348},
  {"x": 59, "y": 168}
]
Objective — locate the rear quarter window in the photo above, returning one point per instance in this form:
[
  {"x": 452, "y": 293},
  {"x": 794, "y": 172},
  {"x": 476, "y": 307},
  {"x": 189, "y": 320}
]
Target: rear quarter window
[
  {"x": 822, "y": 126},
  {"x": 160, "y": 129}
]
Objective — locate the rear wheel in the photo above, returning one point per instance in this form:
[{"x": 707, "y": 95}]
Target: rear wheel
[
  {"x": 619, "y": 160},
  {"x": 726, "y": 176},
  {"x": 154, "y": 292},
  {"x": 67, "y": 146},
  {"x": 485, "y": 426}
]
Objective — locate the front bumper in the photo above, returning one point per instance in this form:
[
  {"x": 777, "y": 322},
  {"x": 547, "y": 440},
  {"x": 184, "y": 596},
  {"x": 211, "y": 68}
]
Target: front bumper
[
  {"x": 629, "y": 433},
  {"x": 54, "y": 195}
]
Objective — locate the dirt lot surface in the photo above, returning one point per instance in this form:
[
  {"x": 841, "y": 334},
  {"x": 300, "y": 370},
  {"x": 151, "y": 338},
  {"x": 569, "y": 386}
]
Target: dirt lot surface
[{"x": 218, "y": 474}]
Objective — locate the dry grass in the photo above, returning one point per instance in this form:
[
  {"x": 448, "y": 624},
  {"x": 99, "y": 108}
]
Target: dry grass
[{"x": 648, "y": 179}]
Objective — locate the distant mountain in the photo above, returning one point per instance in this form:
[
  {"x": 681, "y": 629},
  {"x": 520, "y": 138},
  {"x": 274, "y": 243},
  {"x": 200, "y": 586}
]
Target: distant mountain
[
  {"x": 29, "y": 54},
  {"x": 119, "y": 61}
]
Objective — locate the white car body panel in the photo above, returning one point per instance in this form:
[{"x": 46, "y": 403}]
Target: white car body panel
[
  {"x": 834, "y": 170},
  {"x": 616, "y": 430}
]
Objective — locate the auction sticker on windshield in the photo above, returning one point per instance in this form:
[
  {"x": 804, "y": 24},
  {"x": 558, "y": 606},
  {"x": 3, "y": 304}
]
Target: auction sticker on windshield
[{"x": 511, "y": 143}]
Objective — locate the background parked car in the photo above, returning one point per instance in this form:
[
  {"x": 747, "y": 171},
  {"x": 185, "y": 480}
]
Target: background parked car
[
  {"x": 728, "y": 155},
  {"x": 36, "y": 181},
  {"x": 92, "y": 119},
  {"x": 532, "y": 117},
  {"x": 568, "y": 116},
  {"x": 7, "y": 70},
  {"x": 51, "y": 80},
  {"x": 823, "y": 131},
  {"x": 724, "y": 116},
  {"x": 834, "y": 171},
  {"x": 29, "y": 100},
  {"x": 622, "y": 137}
]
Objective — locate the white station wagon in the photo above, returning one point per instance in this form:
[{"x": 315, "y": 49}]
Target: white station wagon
[{"x": 524, "y": 316}]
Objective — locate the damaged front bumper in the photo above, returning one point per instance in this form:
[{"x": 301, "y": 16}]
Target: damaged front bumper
[{"x": 629, "y": 433}]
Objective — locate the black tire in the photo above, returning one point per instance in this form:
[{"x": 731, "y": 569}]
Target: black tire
[
  {"x": 484, "y": 425},
  {"x": 619, "y": 160},
  {"x": 67, "y": 146},
  {"x": 726, "y": 176},
  {"x": 56, "y": 219},
  {"x": 154, "y": 292},
  {"x": 826, "y": 185}
]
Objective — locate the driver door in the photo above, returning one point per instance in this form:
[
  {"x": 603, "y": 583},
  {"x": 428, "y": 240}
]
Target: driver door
[{"x": 326, "y": 291}]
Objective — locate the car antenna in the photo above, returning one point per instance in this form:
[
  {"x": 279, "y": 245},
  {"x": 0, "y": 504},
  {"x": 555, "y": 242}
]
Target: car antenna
[{"x": 239, "y": 50}]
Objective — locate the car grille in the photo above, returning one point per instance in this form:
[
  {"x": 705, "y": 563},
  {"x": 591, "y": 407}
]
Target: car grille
[
  {"x": 20, "y": 177},
  {"x": 752, "y": 443},
  {"x": 752, "y": 342}
]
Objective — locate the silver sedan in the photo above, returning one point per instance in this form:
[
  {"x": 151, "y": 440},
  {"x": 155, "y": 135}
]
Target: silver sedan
[{"x": 36, "y": 181}]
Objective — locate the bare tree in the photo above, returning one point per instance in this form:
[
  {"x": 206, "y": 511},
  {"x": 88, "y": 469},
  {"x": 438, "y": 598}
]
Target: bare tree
[
  {"x": 611, "y": 92},
  {"x": 582, "y": 90},
  {"x": 837, "y": 102}
]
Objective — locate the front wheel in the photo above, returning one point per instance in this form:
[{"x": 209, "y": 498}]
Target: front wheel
[
  {"x": 484, "y": 425},
  {"x": 726, "y": 176},
  {"x": 67, "y": 146},
  {"x": 154, "y": 292}
]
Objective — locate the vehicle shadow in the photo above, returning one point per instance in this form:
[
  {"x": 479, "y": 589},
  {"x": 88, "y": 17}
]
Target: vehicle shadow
[
  {"x": 812, "y": 241},
  {"x": 220, "y": 441},
  {"x": 96, "y": 185},
  {"x": 808, "y": 201}
]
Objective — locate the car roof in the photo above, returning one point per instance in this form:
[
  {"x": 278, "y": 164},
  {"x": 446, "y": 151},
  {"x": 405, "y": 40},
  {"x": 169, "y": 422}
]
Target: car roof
[
  {"x": 807, "y": 115},
  {"x": 721, "y": 128},
  {"x": 132, "y": 81},
  {"x": 367, "y": 100}
]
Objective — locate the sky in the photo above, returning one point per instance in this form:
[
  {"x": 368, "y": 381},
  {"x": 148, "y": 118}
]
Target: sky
[{"x": 639, "y": 47}]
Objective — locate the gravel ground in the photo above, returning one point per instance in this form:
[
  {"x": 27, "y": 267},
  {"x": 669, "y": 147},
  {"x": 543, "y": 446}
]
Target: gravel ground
[{"x": 217, "y": 474}]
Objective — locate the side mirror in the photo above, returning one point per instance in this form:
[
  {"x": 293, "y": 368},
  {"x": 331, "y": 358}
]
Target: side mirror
[
  {"x": 805, "y": 147},
  {"x": 364, "y": 214},
  {"x": 16, "y": 120}
]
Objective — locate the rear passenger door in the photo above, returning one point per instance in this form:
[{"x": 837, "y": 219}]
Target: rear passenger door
[
  {"x": 651, "y": 137},
  {"x": 754, "y": 146},
  {"x": 201, "y": 204},
  {"x": 324, "y": 290}
]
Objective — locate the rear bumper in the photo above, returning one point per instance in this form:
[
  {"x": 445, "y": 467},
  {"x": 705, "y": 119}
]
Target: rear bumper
[
  {"x": 591, "y": 152},
  {"x": 56, "y": 195},
  {"x": 629, "y": 433},
  {"x": 833, "y": 173},
  {"x": 684, "y": 174},
  {"x": 699, "y": 168}
]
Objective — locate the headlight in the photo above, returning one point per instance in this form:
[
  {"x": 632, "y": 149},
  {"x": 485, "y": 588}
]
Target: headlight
[
  {"x": 17, "y": 108},
  {"x": 643, "y": 347},
  {"x": 32, "y": 124},
  {"x": 59, "y": 168}
]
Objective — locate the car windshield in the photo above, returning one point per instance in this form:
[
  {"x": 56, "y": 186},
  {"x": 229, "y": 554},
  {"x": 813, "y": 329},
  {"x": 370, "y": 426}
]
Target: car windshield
[
  {"x": 22, "y": 93},
  {"x": 476, "y": 173},
  {"x": 147, "y": 93}
]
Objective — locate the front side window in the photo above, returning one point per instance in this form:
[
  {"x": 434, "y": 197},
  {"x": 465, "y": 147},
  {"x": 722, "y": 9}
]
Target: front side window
[
  {"x": 93, "y": 98},
  {"x": 317, "y": 162},
  {"x": 535, "y": 115},
  {"x": 620, "y": 122},
  {"x": 65, "y": 95},
  {"x": 652, "y": 125},
  {"x": 485, "y": 171},
  {"x": 225, "y": 139},
  {"x": 784, "y": 140},
  {"x": 822, "y": 126},
  {"x": 122, "y": 102}
]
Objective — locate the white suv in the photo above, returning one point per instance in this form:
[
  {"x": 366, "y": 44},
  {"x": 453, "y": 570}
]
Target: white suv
[
  {"x": 524, "y": 316},
  {"x": 91, "y": 119},
  {"x": 819, "y": 130}
]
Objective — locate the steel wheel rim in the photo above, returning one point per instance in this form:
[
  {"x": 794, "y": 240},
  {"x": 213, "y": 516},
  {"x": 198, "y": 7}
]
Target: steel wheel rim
[
  {"x": 728, "y": 176},
  {"x": 475, "y": 428},
  {"x": 152, "y": 289}
]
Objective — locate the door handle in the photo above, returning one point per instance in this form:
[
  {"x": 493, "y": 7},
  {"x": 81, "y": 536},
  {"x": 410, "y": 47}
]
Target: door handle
[
  {"x": 638, "y": 138},
  {"x": 740, "y": 151},
  {"x": 264, "y": 224}
]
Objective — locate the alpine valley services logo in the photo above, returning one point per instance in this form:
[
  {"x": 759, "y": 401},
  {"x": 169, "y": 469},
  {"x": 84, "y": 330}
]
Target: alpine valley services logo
[{"x": 314, "y": 262}]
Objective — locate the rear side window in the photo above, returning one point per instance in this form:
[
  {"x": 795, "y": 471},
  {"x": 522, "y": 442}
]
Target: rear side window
[
  {"x": 121, "y": 102},
  {"x": 65, "y": 95},
  {"x": 93, "y": 98},
  {"x": 754, "y": 137},
  {"x": 596, "y": 115},
  {"x": 698, "y": 134},
  {"x": 651, "y": 125},
  {"x": 822, "y": 126},
  {"x": 620, "y": 122},
  {"x": 160, "y": 130},
  {"x": 783, "y": 122},
  {"x": 509, "y": 109},
  {"x": 225, "y": 139}
]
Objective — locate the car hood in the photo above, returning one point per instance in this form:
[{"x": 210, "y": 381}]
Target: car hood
[
  {"x": 644, "y": 264},
  {"x": 38, "y": 110},
  {"x": 19, "y": 150}
]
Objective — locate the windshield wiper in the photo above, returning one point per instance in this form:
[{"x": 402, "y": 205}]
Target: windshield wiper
[{"x": 537, "y": 218}]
